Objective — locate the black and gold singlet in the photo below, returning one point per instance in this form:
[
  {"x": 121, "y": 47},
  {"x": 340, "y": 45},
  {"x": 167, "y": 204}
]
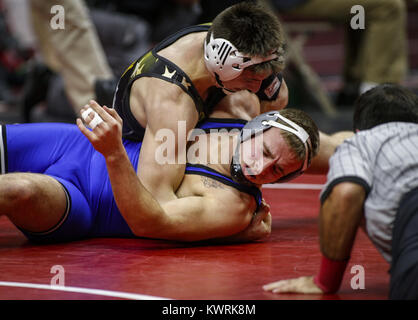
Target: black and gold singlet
[{"x": 153, "y": 65}]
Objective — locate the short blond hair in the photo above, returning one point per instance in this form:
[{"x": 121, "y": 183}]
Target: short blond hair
[{"x": 305, "y": 121}]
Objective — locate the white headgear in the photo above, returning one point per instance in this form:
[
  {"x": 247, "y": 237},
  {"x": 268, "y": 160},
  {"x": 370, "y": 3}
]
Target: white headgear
[{"x": 225, "y": 61}]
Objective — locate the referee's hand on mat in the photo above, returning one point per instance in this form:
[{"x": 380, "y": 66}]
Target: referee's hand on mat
[{"x": 305, "y": 285}]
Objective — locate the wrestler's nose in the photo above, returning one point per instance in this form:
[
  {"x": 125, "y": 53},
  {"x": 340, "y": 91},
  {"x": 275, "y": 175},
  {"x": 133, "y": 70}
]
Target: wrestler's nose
[{"x": 256, "y": 166}]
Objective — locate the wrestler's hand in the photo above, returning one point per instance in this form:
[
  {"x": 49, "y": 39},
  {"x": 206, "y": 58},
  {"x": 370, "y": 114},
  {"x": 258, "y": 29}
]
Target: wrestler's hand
[
  {"x": 304, "y": 285},
  {"x": 106, "y": 125},
  {"x": 259, "y": 227}
]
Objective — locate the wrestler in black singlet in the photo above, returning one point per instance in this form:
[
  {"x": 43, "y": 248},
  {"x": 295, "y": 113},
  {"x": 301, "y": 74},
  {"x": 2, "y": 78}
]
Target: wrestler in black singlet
[{"x": 153, "y": 65}]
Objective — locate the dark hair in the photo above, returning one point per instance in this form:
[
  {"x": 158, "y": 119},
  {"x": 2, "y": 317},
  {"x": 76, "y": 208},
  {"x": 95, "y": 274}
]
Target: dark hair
[
  {"x": 385, "y": 103},
  {"x": 305, "y": 121},
  {"x": 253, "y": 30}
]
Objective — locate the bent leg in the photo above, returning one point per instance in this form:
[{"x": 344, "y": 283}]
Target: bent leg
[
  {"x": 75, "y": 52},
  {"x": 45, "y": 208},
  {"x": 33, "y": 202}
]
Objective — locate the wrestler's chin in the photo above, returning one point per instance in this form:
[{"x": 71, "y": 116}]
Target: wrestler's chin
[{"x": 252, "y": 177}]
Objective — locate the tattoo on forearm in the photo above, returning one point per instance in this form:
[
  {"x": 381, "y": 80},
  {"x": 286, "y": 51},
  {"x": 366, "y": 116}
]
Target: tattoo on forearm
[{"x": 210, "y": 183}]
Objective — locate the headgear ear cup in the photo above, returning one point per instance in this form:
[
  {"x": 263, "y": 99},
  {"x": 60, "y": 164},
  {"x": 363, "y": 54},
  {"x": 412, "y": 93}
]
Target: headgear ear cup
[{"x": 224, "y": 60}]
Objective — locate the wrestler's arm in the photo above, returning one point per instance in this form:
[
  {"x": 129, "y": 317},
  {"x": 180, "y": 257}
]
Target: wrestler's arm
[
  {"x": 327, "y": 147},
  {"x": 193, "y": 218},
  {"x": 247, "y": 105},
  {"x": 170, "y": 116},
  {"x": 259, "y": 227},
  {"x": 339, "y": 220}
]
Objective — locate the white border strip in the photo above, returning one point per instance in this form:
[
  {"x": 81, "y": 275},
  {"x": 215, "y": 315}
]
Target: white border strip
[
  {"x": 301, "y": 186},
  {"x": 99, "y": 292}
]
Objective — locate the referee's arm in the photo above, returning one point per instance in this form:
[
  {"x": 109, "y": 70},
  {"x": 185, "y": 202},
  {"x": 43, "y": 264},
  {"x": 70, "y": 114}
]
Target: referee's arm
[{"x": 340, "y": 216}]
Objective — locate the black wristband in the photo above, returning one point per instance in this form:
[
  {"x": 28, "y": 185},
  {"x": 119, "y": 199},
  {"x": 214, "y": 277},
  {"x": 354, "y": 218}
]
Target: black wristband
[{"x": 270, "y": 87}]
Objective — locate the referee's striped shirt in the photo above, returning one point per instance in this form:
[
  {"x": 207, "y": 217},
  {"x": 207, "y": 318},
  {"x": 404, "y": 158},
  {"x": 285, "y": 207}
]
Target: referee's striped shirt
[{"x": 384, "y": 160}]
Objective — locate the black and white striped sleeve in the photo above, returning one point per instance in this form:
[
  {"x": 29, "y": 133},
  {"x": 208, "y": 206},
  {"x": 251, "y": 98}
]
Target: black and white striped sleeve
[{"x": 348, "y": 164}]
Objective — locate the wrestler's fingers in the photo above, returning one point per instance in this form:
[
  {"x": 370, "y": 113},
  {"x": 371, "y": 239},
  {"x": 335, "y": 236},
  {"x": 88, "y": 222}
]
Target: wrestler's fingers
[
  {"x": 84, "y": 109},
  {"x": 85, "y": 113},
  {"x": 101, "y": 111},
  {"x": 262, "y": 212},
  {"x": 93, "y": 104},
  {"x": 113, "y": 113},
  {"x": 87, "y": 133},
  {"x": 263, "y": 201},
  {"x": 109, "y": 115},
  {"x": 268, "y": 219},
  {"x": 91, "y": 117}
]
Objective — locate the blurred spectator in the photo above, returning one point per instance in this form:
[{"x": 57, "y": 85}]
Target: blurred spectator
[
  {"x": 123, "y": 37},
  {"x": 377, "y": 54},
  {"x": 74, "y": 52},
  {"x": 164, "y": 17},
  {"x": 98, "y": 42},
  {"x": 374, "y": 55},
  {"x": 14, "y": 54}
]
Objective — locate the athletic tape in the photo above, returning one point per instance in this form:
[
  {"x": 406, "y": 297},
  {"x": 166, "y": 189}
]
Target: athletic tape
[{"x": 96, "y": 119}]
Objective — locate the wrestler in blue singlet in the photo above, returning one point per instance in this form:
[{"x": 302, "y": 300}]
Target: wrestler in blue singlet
[{"x": 64, "y": 153}]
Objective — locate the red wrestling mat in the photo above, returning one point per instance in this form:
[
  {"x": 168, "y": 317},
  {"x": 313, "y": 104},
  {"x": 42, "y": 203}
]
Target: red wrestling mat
[{"x": 148, "y": 269}]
